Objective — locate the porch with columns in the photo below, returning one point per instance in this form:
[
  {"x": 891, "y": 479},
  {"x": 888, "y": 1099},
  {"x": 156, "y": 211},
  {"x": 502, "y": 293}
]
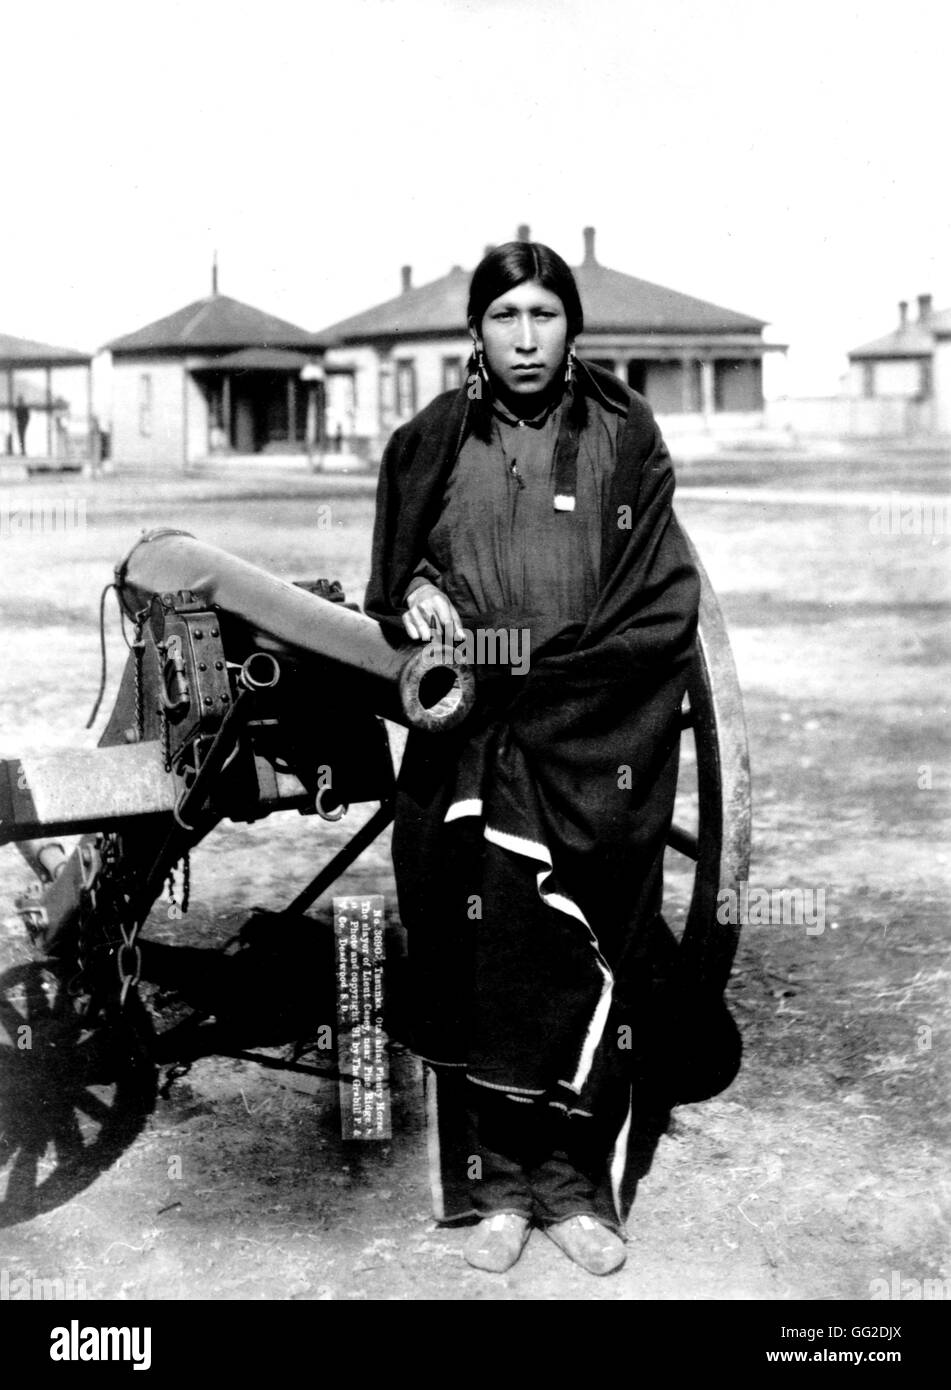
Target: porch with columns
[
  {"x": 262, "y": 401},
  {"x": 696, "y": 381},
  {"x": 20, "y": 360}
]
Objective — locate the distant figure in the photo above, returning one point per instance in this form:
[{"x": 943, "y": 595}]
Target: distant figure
[
  {"x": 338, "y": 440},
  {"x": 22, "y": 413}
]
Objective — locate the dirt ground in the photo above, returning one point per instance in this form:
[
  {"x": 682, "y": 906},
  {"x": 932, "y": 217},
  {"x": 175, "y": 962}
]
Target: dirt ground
[{"x": 822, "y": 1169}]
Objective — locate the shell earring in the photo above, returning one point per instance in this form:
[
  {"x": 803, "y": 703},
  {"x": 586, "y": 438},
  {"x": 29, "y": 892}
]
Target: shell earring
[
  {"x": 480, "y": 365},
  {"x": 570, "y": 367}
]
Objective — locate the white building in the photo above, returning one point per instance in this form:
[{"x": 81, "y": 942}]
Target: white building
[
  {"x": 215, "y": 378},
  {"x": 904, "y": 378}
]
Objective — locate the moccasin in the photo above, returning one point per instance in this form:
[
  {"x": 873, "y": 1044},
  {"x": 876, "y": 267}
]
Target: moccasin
[
  {"x": 497, "y": 1242},
  {"x": 590, "y": 1244}
]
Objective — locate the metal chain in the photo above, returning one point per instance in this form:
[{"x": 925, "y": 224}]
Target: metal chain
[
  {"x": 129, "y": 950},
  {"x": 138, "y": 646},
  {"x": 105, "y": 903},
  {"x": 89, "y": 905},
  {"x": 166, "y": 739},
  {"x": 128, "y": 978}
]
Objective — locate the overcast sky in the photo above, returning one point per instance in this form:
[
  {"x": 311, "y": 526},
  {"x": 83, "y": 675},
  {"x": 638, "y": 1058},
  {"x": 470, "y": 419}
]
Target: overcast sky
[{"x": 788, "y": 160}]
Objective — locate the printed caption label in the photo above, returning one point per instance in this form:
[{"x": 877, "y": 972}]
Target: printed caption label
[{"x": 362, "y": 1057}]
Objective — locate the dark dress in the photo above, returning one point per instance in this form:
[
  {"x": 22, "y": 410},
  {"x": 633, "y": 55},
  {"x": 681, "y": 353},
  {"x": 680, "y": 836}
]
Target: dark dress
[
  {"x": 504, "y": 555},
  {"x": 528, "y": 844}
]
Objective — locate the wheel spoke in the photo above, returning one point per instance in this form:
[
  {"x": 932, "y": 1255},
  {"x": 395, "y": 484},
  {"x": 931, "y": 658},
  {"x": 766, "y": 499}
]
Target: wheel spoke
[
  {"x": 21, "y": 1184},
  {"x": 90, "y": 1104},
  {"x": 684, "y": 842},
  {"x": 68, "y": 1140}
]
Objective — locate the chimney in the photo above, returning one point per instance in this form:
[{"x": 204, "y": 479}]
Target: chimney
[
  {"x": 924, "y": 308},
  {"x": 902, "y": 313},
  {"x": 214, "y": 272},
  {"x": 524, "y": 232},
  {"x": 406, "y": 275},
  {"x": 589, "y": 256}
]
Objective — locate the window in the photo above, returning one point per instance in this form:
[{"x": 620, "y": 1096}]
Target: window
[
  {"x": 868, "y": 380},
  {"x": 451, "y": 373},
  {"x": 406, "y": 388},
  {"x": 145, "y": 404}
]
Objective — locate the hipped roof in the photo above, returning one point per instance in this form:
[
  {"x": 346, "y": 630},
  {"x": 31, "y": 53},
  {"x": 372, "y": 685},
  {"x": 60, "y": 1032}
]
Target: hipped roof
[
  {"x": 25, "y": 355},
  {"x": 912, "y": 340},
  {"x": 612, "y": 302},
  {"x": 215, "y": 324},
  {"x": 261, "y": 360}
]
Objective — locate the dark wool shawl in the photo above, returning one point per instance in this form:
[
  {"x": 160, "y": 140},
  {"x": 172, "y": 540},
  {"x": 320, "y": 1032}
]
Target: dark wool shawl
[{"x": 575, "y": 769}]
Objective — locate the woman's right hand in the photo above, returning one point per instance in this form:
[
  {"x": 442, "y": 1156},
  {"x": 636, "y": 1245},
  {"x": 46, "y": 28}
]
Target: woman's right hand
[{"x": 429, "y": 612}]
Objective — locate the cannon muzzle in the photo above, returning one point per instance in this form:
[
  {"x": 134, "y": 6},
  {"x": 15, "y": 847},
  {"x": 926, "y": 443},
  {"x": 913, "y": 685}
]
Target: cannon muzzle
[{"x": 424, "y": 686}]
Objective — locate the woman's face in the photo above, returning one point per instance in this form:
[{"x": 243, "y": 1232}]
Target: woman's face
[{"x": 524, "y": 336}]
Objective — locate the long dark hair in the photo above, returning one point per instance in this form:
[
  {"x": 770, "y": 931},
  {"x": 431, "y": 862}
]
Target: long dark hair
[
  {"x": 512, "y": 264},
  {"x": 501, "y": 270}
]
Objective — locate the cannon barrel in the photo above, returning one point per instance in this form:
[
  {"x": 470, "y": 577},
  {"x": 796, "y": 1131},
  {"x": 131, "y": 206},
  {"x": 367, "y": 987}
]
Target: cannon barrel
[{"x": 419, "y": 685}]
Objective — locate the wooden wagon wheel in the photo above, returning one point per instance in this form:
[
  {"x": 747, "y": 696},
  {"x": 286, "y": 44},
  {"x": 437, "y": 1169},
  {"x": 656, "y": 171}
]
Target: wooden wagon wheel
[
  {"x": 719, "y": 843},
  {"x": 72, "y": 1099}
]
